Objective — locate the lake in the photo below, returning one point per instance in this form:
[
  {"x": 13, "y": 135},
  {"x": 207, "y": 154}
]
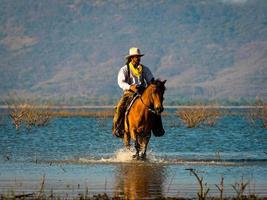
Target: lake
[{"x": 79, "y": 155}]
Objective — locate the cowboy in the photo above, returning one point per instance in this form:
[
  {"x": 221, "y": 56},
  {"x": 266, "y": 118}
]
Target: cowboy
[{"x": 133, "y": 77}]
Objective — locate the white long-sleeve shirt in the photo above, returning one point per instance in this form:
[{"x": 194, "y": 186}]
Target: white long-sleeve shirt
[{"x": 125, "y": 82}]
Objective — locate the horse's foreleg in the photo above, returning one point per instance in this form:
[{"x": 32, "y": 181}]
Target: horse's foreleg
[
  {"x": 137, "y": 148},
  {"x": 126, "y": 139},
  {"x": 143, "y": 144}
]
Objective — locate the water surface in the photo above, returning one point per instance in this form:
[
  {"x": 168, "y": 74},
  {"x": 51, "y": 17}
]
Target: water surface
[{"x": 79, "y": 155}]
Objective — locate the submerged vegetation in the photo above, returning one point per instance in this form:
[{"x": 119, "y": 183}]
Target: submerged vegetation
[
  {"x": 203, "y": 189},
  {"x": 84, "y": 113},
  {"x": 202, "y": 194},
  {"x": 258, "y": 115},
  {"x": 193, "y": 117},
  {"x": 31, "y": 115}
]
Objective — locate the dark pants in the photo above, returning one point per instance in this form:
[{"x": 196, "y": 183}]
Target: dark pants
[{"x": 118, "y": 120}]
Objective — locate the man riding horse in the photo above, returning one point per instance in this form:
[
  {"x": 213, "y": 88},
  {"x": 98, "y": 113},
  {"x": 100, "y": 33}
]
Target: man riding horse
[{"x": 133, "y": 78}]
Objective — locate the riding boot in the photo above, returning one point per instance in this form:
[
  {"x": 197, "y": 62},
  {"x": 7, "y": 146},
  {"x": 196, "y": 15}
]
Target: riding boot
[
  {"x": 117, "y": 128},
  {"x": 157, "y": 129}
]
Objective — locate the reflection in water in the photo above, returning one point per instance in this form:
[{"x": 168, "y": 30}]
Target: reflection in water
[{"x": 139, "y": 180}]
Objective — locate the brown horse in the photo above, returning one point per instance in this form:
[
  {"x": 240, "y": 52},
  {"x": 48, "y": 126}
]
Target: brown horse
[{"x": 141, "y": 116}]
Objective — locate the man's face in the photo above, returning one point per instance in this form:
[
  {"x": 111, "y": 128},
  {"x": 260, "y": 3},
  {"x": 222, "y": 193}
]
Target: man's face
[{"x": 135, "y": 60}]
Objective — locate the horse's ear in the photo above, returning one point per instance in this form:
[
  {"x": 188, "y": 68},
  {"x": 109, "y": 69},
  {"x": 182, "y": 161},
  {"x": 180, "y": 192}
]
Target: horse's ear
[{"x": 164, "y": 81}]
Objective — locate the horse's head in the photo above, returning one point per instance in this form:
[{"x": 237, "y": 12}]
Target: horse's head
[{"x": 156, "y": 90}]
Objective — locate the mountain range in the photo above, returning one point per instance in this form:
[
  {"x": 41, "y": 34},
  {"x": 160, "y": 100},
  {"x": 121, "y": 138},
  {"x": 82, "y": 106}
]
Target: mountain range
[{"x": 70, "y": 51}]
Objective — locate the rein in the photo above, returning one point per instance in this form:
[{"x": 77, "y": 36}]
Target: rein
[{"x": 149, "y": 108}]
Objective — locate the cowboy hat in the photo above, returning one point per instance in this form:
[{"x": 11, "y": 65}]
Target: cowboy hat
[{"x": 134, "y": 52}]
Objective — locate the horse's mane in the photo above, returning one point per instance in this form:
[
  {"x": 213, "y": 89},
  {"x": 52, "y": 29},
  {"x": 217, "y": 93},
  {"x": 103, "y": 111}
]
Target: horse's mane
[{"x": 159, "y": 84}]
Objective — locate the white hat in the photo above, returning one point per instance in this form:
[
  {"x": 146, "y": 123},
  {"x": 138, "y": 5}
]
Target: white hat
[{"x": 134, "y": 52}]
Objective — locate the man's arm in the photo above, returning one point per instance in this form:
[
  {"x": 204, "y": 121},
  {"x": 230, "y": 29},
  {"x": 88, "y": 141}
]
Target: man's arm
[{"x": 122, "y": 77}]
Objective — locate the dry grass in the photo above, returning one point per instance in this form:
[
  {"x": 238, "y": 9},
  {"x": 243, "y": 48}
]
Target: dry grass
[
  {"x": 258, "y": 115},
  {"x": 220, "y": 187},
  {"x": 239, "y": 188},
  {"x": 202, "y": 194},
  {"x": 203, "y": 189},
  {"x": 29, "y": 115},
  {"x": 82, "y": 113},
  {"x": 193, "y": 117},
  {"x": 32, "y": 115}
]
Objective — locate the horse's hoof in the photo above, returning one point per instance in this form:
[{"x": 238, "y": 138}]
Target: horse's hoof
[
  {"x": 136, "y": 157},
  {"x": 128, "y": 147},
  {"x": 143, "y": 157}
]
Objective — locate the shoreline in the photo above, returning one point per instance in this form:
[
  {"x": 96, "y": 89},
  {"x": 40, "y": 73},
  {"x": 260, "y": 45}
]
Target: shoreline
[
  {"x": 112, "y": 106},
  {"x": 73, "y": 189},
  {"x": 44, "y": 191}
]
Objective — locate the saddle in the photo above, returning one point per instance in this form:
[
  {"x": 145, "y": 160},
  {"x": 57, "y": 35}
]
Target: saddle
[{"x": 128, "y": 109}]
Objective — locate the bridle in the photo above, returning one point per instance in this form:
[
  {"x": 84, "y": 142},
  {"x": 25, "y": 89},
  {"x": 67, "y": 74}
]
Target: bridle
[{"x": 151, "y": 109}]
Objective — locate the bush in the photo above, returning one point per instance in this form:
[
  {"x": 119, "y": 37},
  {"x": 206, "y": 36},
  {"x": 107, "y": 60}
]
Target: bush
[
  {"x": 29, "y": 115},
  {"x": 195, "y": 116}
]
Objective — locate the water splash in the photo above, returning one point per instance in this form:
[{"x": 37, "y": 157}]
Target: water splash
[
  {"x": 122, "y": 155},
  {"x": 126, "y": 156}
]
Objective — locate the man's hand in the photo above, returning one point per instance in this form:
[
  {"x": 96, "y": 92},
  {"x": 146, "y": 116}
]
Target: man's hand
[{"x": 134, "y": 88}]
